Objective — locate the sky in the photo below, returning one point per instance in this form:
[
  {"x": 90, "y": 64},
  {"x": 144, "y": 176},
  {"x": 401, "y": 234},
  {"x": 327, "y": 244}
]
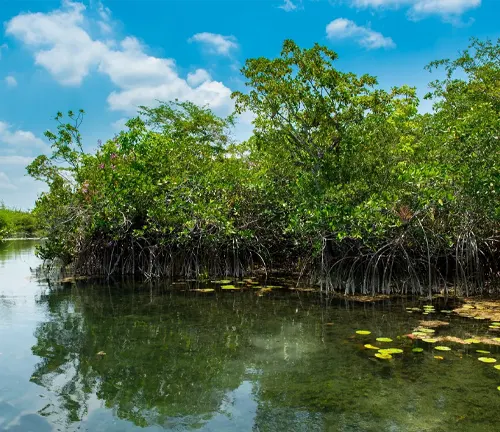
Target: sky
[{"x": 109, "y": 57}]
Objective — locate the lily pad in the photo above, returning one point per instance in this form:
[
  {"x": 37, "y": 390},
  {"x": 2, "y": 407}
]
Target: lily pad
[
  {"x": 442, "y": 348},
  {"x": 429, "y": 340},
  {"x": 497, "y": 367},
  {"x": 383, "y": 356},
  {"x": 487, "y": 359},
  {"x": 204, "y": 290},
  {"x": 426, "y": 330},
  {"x": 384, "y": 339},
  {"x": 474, "y": 341},
  {"x": 495, "y": 323},
  {"x": 390, "y": 351},
  {"x": 229, "y": 287},
  {"x": 223, "y": 281},
  {"x": 417, "y": 350},
  {"x": 363, "y": 332},
  {"x": 439, "y": 357},
  {"x": 482, "y": 352},
  {"x": 419, "y": 333},
  {"x": 369, "y": 346}
]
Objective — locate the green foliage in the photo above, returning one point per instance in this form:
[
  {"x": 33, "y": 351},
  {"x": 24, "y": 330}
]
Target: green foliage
[
  {"x": 339, "y": 175},
  {"x": 17, "y": 223}
]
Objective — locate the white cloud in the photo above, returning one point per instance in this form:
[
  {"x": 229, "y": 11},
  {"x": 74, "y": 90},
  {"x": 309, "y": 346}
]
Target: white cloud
[
  {"x": 289, "y": 5},
  {"x": 20, "y": 140},
  {"x": 197, "y": 77},
  {"x": 216, "y": 43},
  {"x": 63, "y": 46},
  {"x": 342, "y": 28},
  {"x": 5, "y": 182},
  {"x": 419, "y": 8},
  {"x": 10, "y": 81},
  {"x": 15, "y": 160}
]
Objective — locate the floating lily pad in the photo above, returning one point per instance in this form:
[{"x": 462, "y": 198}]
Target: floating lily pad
[
  {"x": 363, "y": 332},
  {"x": 467, "y": 306},
  {"x": 419, "y": 333},
  {"x": 384, "y": 339},
  {"x": 204, "y": 290},
  {"x": 495, "y": 323},
  {"x": 487, "y": 359},
  {"x": 426, "y": 330},
  {"x": 229, "y": 287},
  {"x": 417, "y": 350},
  {"x": 439, "y": 357},
  {"x": 369, "y": 346},
  {"x": 383, "y": 356},
  {"x": 498, "y": 388},
  {"x": 429, "y": 340},
  {"x": 446, "y": 311},
  {"x": 479, "y": 318},
  {"x": 474, "y": 341},
  {"x": 494, "y": 327},
  {"x": 442, "y": 348},
  {"x": 223, "y": 281},
  {"x": 482, "y": 352},
  {"x": 496, "y": 339},
  {"x": 497, "y": 367},
  {"x": 390, "y": 351}
]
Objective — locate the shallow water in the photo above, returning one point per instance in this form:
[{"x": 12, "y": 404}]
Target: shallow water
[{"x": 225, "y": 361}]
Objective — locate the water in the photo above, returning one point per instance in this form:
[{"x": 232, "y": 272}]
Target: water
[{"x": 230, "y": 361}]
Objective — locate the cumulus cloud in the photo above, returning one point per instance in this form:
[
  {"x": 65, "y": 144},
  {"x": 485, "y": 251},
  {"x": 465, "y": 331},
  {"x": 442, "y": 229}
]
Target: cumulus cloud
[
  {"x": 62, "y": 44},
  {"x": 216, "y": 43},
  {"x": 449, "y": 9},
  {"x": 10, "y": 81},
  {"x": 20, "y": 140},
  {"x": 198, "y": 77},
  {"x": 342, "y": 28}
]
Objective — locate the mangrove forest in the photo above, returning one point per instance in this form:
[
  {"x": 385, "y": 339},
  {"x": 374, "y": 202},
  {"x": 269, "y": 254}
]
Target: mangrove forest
[{"x": 342, "y": 183}]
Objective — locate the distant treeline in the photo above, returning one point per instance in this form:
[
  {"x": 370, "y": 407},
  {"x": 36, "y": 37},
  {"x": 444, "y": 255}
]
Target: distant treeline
[
  {"x": 342, "y": 182},
  {"x": 17, "y": 223}
]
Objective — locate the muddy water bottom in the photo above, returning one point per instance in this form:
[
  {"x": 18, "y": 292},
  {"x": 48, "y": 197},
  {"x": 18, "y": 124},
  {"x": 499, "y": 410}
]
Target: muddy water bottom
[{"x": 125, "y": 357}]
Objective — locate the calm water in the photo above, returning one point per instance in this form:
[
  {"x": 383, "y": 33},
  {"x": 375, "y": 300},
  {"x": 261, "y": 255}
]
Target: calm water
[{"x": 229, "y": 361}]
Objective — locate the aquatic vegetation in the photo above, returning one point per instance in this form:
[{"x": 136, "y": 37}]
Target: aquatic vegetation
[
  {"x": 497, "y": 367},
  {"x": 472, "y": 341},
  {"x": 429, "y": 324},
  {"x": 487, "y": 359},
  {"x": 425, "y": 330},
  {"x": 417, "y": 350},
  {"x": 384, "y": 339},
  {"x": 439, "y": 357},
  {"x": 363, "y": 332},
  {"x": 203, "y": 290},
  {"x": 482, "y": 352},
  {"x": 369, "y": 346},
  {"x": 223, "y": 281},
  {"x": 383, "y": 356},
  {"x": 442, "y": 348},
  {"x": 429, "y": 340},
  {"x": 390, "y": 351},
  {"x": 229, "y": 287}
]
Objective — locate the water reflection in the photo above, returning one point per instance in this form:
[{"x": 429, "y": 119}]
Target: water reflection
[{"x": 223, "y": 362}]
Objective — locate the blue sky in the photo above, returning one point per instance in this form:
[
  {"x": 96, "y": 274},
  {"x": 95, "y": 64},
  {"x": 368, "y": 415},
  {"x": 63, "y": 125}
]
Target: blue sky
[{"x": 109, "y": 57}]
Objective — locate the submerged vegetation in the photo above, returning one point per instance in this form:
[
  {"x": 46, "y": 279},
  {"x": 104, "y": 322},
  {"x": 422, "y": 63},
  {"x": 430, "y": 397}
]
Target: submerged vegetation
[{"x": 342, "y": 182}]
